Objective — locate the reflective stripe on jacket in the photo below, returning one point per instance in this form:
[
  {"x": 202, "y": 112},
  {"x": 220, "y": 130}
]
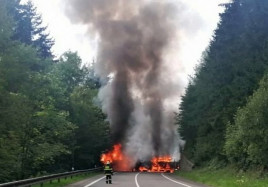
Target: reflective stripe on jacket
[{"x": 108, "y": 169}]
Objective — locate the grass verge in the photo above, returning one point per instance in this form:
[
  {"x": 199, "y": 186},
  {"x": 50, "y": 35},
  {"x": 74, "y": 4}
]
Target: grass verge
[
  {"x": 63, "y": 182},
  {"x": 226, "y": 177}
]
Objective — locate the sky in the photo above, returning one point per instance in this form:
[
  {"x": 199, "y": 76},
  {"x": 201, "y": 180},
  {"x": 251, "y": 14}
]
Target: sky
[{"x": 73, "y": 37}]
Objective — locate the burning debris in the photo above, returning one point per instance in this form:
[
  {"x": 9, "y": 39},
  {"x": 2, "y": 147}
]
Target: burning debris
[
  {"x": 160, "y": 164},
  {"x": 141, "y": 97},
  {"x": 121, "y": 162}
]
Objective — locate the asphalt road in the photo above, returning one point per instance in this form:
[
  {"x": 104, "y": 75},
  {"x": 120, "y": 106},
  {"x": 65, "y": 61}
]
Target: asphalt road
[{"x": 133, "y": 179}]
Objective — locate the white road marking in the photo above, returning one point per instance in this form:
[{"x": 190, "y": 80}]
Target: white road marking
[
  {"x": 175, "y": 181},
  {"x": 94, "y": 182},
  {"x": 136, "y": 180}
]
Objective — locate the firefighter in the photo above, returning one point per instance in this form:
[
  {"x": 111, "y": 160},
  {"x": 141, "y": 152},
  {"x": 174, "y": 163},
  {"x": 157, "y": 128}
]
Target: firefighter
[{"x": 108, "y": 170}]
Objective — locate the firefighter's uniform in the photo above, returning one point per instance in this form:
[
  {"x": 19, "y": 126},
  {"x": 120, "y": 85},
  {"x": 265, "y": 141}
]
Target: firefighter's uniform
[{"x": 108, "y": 172}]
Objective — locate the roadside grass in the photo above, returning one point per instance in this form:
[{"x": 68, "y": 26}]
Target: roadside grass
[
  {"x": 63, "y": 182},
  {"x": 226, "y": 177}
]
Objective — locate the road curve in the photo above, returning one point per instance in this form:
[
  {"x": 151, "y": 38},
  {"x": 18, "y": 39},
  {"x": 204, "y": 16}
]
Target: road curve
[{"x": 132, "y": 179}]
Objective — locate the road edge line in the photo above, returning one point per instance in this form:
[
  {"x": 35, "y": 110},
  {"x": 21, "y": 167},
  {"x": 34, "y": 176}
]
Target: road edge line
[
  {"x": 175, "y": 181},
  {"x": 136, "y": 180},
  {"x": 95, "y": 182}
]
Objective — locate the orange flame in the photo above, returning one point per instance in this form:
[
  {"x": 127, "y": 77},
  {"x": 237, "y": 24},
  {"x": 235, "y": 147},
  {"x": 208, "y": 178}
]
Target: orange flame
[
  {"x": 162, "y": 164},
  {"x": 119, "y": 160},
  {"x": 122, "y": 162},
  {"x": 159, "y": 164},
  {"x": 113, "y": 155}
]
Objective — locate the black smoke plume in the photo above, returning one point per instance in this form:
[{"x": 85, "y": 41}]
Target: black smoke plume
[{"x": 134, "y": 36}]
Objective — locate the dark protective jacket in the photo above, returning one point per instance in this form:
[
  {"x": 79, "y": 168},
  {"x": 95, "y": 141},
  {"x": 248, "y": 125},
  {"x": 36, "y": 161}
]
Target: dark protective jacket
[{"x": 108, "y": 169}]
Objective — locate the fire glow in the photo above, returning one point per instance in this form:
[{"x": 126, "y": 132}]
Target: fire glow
[
  {"x": 121, "y": 162},
  {"x": 159, "y": 164},
  {"x": 138, "y": 60}
]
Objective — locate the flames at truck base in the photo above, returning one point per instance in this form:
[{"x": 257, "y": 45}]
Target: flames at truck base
[
  {"x": 159, "y": 164},
  {"x": 119, "y": 160},
  {"x": 122, "y": 162}
]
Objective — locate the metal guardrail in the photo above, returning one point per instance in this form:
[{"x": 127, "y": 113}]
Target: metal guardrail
[{"x": 41, "y": 180}]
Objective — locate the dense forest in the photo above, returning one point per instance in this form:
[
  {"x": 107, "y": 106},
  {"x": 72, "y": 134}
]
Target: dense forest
[
  {"x": 223, "y": 115},
  {"x": 49, "y": 121}
]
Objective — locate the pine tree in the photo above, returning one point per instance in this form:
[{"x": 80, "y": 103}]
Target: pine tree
[
  {"x": 232, "y": 67},
  {"x": 29, "y": 27}
]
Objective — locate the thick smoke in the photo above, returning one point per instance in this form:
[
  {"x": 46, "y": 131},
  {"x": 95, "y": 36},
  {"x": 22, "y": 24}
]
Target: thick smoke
[{"x": 134, "y": 41}]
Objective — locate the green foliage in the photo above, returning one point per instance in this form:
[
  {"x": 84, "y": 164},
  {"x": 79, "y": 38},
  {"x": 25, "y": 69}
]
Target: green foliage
[
  {"x": 93, "y": 132},
  {"x": 44, "y": 127},
  {"x": 230, "y": 71},
  {"x": 226, "y": 177},
  {"x": 28, "y": 27},
  {"x": 246, "y": 139},
  {"x": 5, "y": 26},
  {"x": 68, "y": 73}
]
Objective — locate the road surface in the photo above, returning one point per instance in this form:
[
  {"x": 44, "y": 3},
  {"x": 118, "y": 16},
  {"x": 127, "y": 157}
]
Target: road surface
[{"x": 132, "y": 179}]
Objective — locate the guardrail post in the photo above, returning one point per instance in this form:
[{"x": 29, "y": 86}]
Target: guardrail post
[
  {"x": 50, "y": 182},
  {"x": 58, "y": 179},
  {"x": 41, "y": 184}
]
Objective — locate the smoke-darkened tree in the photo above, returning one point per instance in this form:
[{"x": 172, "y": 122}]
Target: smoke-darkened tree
[
  {"x": 92, "y": 136},
  {"x": 231, "y": 69}
]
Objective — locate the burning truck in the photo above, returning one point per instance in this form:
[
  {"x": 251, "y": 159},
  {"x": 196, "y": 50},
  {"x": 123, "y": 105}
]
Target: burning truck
[
  {"x": 121, "y": 162},
  {"x": 138, "y": 65}
]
